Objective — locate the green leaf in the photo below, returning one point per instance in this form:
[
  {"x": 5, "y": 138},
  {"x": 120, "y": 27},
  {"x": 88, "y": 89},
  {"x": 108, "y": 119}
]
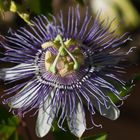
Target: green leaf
[
  {"x": 40, "y": 6},
  {"x": 80, "y": 2},
  {"x": 8, "y": 125},
  {"x": 124, "y": 90},
  {"x": 25, "y": 8},
  {"x": 136, "y": 78},
  {"x": 60, "y": 134},
  {"x": 25, "y": 17},
  {"x": 35, "y": 6},
  {"x": 14, "y": 136},
  {"x": 20, "y": 9},
  {"x": 4, "y": 5},
  {"x": 102, "y": 136}
]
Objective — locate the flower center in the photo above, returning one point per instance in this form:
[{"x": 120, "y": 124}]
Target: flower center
[{"x": 62, "y": 57}]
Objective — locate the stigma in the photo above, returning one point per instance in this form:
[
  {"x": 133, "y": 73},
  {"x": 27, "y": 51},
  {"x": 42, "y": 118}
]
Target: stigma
[{"x": 67, "y": 59}]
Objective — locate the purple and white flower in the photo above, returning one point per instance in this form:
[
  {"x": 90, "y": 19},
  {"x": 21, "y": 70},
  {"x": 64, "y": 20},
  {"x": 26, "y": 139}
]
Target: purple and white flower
[{"x": 63, "y": 68}]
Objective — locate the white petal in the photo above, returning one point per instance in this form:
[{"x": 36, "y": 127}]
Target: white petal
[
  {"x": 45, "y": 118},
  {"x": 111, "y": 113},
  {"x": 80, "y": 122},
  {"x": 25, "y": 99},
  {"x": 11, "y": 73}
]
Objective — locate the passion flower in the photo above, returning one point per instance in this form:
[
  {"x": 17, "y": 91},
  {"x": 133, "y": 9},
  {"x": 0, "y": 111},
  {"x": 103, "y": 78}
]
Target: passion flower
[{"x": 63, "y": 68}]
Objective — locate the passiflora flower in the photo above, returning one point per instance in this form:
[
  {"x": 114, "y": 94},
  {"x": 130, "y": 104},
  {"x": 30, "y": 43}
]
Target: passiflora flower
[{"x": 63, "y": 68}]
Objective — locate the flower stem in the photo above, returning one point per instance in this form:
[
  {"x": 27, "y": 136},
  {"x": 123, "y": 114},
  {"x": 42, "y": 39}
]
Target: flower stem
[
  {"x": 28, "y": 133},
  {"x": 23, "y": 123}
]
